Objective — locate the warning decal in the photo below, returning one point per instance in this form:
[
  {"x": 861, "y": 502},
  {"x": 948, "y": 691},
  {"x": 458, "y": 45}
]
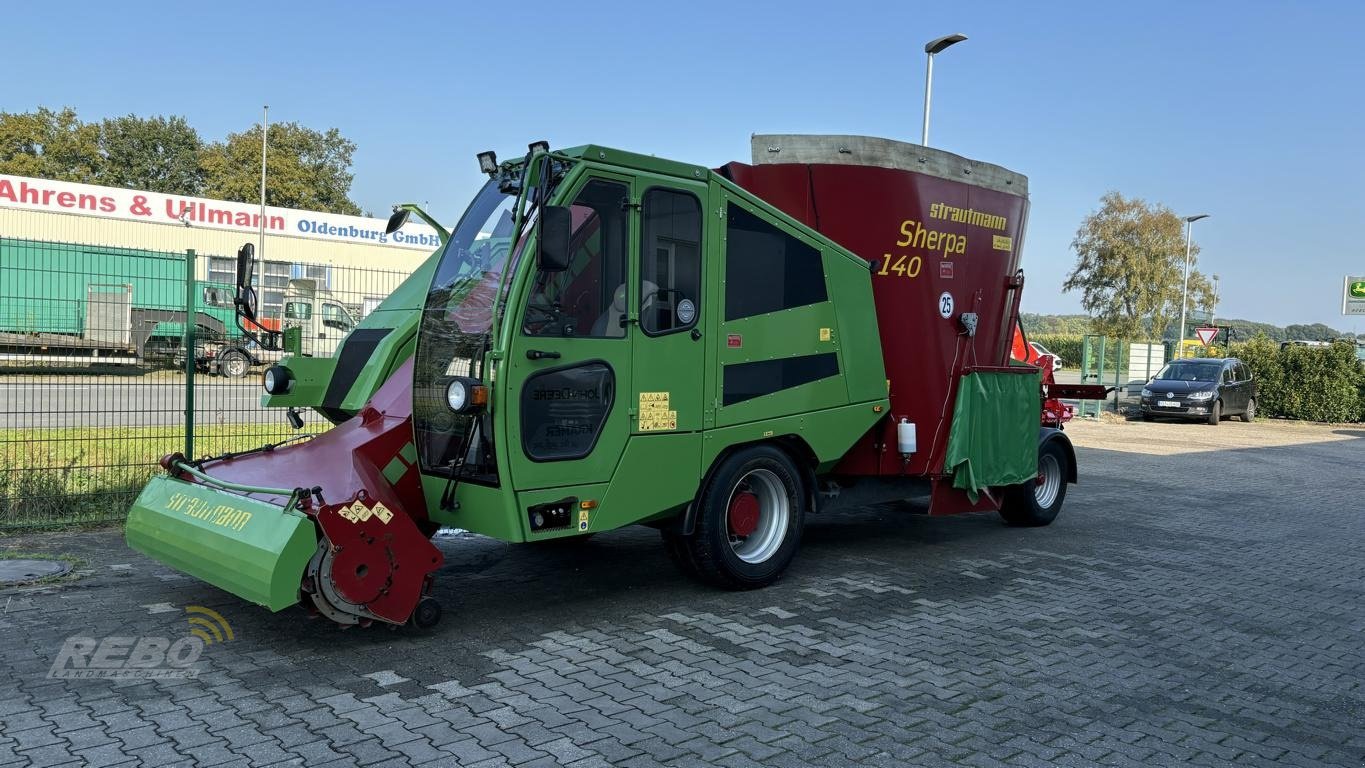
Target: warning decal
[{"x": 655, "y": 415}]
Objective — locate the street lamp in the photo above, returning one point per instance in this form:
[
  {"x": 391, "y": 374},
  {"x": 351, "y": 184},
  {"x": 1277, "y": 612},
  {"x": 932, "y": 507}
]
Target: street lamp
[
  {"x": 1185, "y": 291},
  {"x": 932, "y": 47}
]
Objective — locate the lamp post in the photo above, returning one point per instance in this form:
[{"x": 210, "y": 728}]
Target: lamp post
[
  {"x": 265, "y": 134},
  {"x": 1185, "y": 291},
  {"x": 930, "y": 48}
]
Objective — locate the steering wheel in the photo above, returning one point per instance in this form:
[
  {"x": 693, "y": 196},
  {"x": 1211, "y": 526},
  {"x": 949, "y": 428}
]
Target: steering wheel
[{"x": 549, "y": 315}]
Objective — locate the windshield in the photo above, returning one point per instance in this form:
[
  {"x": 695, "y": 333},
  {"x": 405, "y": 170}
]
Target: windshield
[
  {"x": 450, "y": 340},
  {"x": 1191, "y": 372}
]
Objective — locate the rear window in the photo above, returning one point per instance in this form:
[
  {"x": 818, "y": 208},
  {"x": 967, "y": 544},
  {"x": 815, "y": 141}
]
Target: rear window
[{"x": 766, "y": 269}]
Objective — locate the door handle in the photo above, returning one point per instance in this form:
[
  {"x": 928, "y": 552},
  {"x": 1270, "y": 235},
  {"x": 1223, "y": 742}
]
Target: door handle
[{"x": 536, "y": 354}]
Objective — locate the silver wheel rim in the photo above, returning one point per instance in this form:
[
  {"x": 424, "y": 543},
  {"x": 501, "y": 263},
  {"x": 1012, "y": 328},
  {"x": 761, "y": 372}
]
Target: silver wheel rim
[
  {"x": 774, "y": 516},
  {"x": 1251, "y": 409},
  {"x": 1049, "y": 481},
  {"x": 236, "y": 367}
]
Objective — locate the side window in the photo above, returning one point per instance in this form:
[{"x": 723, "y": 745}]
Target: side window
[
  {"x": 298, "y": 310},
  {"x": 333, "y": 316},
  {"x": 1242, "y": 373},
  {"x": 767, "y": 269},
  {"x": 1227, "y": 375},
  {"x": 588, "y": 298},
  {"x": 670, "y": 261}
]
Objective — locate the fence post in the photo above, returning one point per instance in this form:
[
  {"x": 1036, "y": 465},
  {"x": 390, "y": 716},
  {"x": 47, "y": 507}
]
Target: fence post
[{"x": 189, "y": 352}]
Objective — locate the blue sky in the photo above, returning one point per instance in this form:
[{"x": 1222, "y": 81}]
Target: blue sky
[{"x": 1249, "y": 111}]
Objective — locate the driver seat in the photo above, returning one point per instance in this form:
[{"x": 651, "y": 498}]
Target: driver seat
[{"x": 608, "y": 323}]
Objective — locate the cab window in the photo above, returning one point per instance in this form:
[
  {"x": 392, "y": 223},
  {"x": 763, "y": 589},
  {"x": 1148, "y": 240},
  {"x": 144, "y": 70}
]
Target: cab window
[
  {"x": 335, "y": 316},
  {"x": 298, "y": 310},
  {"x": 670, "y": 261},
  {"x": 589, "y": 298}
]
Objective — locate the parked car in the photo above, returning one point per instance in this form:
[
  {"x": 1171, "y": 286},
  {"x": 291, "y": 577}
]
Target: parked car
[
  {"x": 1202, "y": 388},
  {"x": 1042, "y": 350}
]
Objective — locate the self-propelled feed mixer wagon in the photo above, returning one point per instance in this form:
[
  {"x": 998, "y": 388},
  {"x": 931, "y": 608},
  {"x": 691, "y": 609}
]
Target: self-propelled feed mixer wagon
[{"x": 613, "y": 339}]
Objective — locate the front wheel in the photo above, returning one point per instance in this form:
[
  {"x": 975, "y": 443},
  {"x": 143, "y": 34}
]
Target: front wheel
[
  {"x": 234, "y": 364},
  {"x": 1036, "y": 502},
  {"x": 749, "y": 521},
  {"x": 1215, "y": 413}
]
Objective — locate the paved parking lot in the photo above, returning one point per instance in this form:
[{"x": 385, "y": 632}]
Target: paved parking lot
[{"x": 1200, "y": 601}]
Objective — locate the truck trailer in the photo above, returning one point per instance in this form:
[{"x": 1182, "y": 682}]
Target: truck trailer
[{"x": 611, "y": 339}]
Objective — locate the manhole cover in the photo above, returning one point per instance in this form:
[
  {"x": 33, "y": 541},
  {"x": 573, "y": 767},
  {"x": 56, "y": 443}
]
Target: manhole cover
[{"x": 20, "y": 571}]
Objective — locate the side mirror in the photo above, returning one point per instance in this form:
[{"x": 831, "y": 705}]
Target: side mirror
[
  {"x": 397, "y": 220},
  {"x": 246, "y": 265},
  {"x": 556, "y": 225},
  {"x": 246, "y": 270}
]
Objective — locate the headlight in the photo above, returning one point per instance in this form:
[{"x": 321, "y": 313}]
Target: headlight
[
  {"x": 457, "y": 395},
  {"x": 1146, "y": 392},
  {"x": 277, "y": 380},
  {"x": 1200, "y": 396},
  {"x": 464, "y": 395}
]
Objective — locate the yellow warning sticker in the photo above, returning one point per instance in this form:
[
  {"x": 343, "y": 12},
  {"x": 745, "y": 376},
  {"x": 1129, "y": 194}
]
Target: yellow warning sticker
[
  {"x": 583, "y": 520},
  {"x": 382, "y": 512},
  {"x": 655, "y": 415},
  {"x": 826, "y": 334},
  {"x": 664, "y": 420},
  {"x": 361, "y": 512},
  {"x": 1002, "y": 243}
]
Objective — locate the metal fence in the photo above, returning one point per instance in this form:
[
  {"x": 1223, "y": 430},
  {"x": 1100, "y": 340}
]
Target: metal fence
[{"x": 94, "y": 379}]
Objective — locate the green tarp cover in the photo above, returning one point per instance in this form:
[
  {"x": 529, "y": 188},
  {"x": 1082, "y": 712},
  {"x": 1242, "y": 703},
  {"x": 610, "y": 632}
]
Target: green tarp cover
[{"x": 994, "y": 437}]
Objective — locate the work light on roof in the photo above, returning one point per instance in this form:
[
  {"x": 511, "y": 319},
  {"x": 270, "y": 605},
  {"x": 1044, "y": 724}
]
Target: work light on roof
[
  {"x": 539, "y": 146},
  {"x": 488, "y": 162}
]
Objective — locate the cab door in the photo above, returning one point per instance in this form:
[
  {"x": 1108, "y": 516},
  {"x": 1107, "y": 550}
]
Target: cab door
[
  {"x": 569, "y": 363},
  {"x": 669, "y": 367}
]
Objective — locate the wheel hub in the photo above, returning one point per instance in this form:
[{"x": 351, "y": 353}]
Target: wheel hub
[{"x": 743, "y": 516}]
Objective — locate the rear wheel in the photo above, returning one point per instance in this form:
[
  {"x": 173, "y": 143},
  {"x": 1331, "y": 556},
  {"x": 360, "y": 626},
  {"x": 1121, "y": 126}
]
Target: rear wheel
[
  {"x": 1037, "y": 502},
  {"x": 1250, "y": 413},
  {"x": 233, "y": 364},
  {"x": 749, "y": 522},
  {"x": 1215, "y": 413}
]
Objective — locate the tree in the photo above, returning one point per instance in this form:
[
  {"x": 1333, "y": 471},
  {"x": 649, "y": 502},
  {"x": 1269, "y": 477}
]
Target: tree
[
  {"x": 1130, "y": 258},
  {"x": 50, "y": 145},
  {"x": 304, "y": 168},
  {"x": 160, "y": 154}
]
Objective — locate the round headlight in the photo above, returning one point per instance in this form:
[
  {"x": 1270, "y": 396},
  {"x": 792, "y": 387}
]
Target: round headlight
[
  {"x": 276, "y": 380},
  {"x": 457, "y": 395}
]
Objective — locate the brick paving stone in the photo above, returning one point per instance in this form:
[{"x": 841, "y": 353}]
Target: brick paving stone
[{"x": 1155, "y": 622}]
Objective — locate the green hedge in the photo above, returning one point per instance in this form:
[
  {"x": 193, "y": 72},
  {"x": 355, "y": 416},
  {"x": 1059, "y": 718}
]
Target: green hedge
[{"x": 1308, "y": 383}]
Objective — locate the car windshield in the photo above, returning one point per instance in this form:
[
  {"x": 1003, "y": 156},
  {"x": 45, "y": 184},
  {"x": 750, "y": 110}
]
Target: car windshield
[
  {"x": 455, "y": 320},
  {"x": 1184, "y": 371},
  {"x": 471, "y": 263}
]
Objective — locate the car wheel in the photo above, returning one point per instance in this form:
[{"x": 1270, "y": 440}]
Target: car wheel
[
  {"x": 1250, "y": 413},
  {"x": 1036, "y": 502},
  {"x": 234, "y": 364},
  {"x": 1215, "y": 413},
  {"x": 1147, "y": 417},
  {"x": 749, "y": 523}
]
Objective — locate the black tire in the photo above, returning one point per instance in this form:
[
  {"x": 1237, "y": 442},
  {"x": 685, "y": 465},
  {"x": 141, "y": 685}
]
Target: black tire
[
  {"x": 234, "y": 364},
  {"x": 1249, "y": 415},
  {"x": 427, "y": 614},
  {"x": 1032, "y": 504},
  {"x": 1215, "y": 413},
  {"x": 1147, "y": 417},
  {"x": 719, "y": 557}
]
